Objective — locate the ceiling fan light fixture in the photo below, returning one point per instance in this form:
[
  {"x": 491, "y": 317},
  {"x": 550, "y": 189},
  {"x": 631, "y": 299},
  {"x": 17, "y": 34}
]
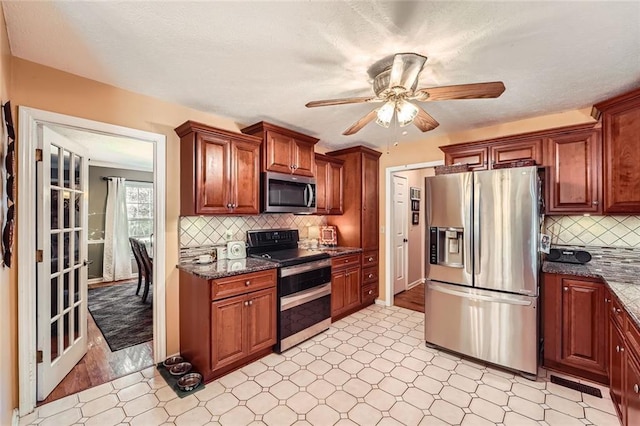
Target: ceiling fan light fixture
[
  {"x": 406, "y": 112},
  {"x": 385, "y": 114}
]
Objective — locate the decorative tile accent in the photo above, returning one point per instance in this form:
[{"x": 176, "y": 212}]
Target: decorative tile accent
[{"x": 599, "y": 231}]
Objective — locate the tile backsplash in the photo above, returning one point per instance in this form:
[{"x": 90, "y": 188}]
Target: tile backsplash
[
  {"x": 600, "y": 231},
  {"x": 198, "y": 231}
]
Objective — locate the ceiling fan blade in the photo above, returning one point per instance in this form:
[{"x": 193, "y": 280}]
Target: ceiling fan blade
[
  {"x": 460, "y": 91},
  {"x": 361, "y": 123},
  {"x": 342, "y": 101},
  {"x": 405, "y": 70},
  {"x": 424, "y": 121}
]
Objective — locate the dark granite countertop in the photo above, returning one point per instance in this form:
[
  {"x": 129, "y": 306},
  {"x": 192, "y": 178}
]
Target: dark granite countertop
[
  {"x": 620, "y": 270},
  {"x": 339, "y": 251},
  {"x": 226, "y": 268}
]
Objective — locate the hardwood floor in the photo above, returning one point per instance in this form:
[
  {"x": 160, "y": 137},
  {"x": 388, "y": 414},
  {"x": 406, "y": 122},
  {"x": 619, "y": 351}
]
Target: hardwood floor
[
  {"x": 411, "y": 299},
  {"x": 100, "y": 365}
]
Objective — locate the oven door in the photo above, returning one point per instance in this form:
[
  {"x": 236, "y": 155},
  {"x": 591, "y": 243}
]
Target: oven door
[
  {"x": 297, "y": 278},
  {"x": 303, "y": 315}
]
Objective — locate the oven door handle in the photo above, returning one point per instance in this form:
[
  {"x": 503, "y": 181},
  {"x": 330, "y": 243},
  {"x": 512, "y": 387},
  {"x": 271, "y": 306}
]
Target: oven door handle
[
  {"x": 297, "y": 299},
  {"x": 304, "y": 267}
]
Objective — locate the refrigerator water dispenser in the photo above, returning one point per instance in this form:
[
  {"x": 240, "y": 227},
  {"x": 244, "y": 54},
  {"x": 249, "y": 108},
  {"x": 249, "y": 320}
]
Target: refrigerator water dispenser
[{"x": 446, "y": 246}]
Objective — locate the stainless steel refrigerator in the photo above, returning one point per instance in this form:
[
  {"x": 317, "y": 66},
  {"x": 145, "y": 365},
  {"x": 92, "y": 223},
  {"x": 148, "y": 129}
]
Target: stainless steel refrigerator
[{"x": 481, "y": 296}]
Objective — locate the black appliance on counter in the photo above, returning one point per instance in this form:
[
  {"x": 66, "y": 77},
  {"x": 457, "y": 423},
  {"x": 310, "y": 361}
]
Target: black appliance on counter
[{"x": 304, "y": 284}]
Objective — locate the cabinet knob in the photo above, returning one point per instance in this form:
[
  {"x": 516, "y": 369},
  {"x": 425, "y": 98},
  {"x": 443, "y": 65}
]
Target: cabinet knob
[
  {"x": 607, "y": 300},
  {"x": 346, "y": 261},
  {"x": 617, "y": 311},
  {"x": 233, "y": 206},
  {"x": 565, "y": 288},
  {"x": 228, "y": 205},
  {"x": 247, "y": 283},
  {"x": 621, "y": 349},
  {"x": 370, "y": 292},
  {"x": 370, "y": 259},
  {"x": 370, "y": 275},
  {"x": 246, "y": 303},
  {"x": 636, "y": 389},
  {"x": 250, "y": 302},
  {"x": 595, "y": 203},
  {"x": 617, "y": 348}
]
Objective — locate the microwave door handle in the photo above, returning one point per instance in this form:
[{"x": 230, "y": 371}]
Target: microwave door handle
[{"x": 308, "y": 199}]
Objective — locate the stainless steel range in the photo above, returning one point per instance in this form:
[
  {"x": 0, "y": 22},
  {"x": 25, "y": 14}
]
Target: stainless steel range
[{"x": 304, "y": 284}]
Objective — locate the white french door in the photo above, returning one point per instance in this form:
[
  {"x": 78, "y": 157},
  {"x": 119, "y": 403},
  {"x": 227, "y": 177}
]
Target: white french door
[{"x": 62, "y": 179}]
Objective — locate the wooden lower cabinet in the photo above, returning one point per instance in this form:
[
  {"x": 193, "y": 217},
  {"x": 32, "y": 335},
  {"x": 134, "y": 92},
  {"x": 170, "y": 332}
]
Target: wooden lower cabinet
[
  {"x": 227, "y": 323},
  {"x": 575, "y": 331},
  {"x": 616, "y": 366},
  {"x": 345, "y": 284},
  {"x": 631, "y": 391}
]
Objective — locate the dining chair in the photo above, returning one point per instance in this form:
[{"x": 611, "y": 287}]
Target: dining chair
[
  {"x": 142, "y": 271},
  {"x": 148, "y": 266}
]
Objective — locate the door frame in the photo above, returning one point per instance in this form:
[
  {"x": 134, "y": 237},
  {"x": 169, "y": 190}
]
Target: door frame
[
  {"x": 388, "y": 263},
  {"x": 28, "y": 121}
]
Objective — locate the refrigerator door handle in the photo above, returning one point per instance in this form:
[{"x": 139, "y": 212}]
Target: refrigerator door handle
[
  {"x": 468, "y": 255},
  {"x": 477, "y": 252},
  {"x": 480, "y": 297}
]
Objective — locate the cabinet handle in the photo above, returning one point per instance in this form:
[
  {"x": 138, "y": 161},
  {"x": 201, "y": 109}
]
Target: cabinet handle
[
  {"x": 247, "y": 283},
  {"x": 370, "y": 275},
  {"x": 370, "y": 259},
  {"x": 636, "y": 389},
  {"x": 565, "y": 288}
]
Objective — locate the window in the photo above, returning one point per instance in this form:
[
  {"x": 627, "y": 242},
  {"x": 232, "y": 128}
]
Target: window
[{"x": 140, "y": 208}]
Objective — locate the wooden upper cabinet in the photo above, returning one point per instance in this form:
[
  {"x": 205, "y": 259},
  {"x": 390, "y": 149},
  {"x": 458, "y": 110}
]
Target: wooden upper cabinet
[
  {"x": 329, "y": 184},
  {"x": 370, "y": 192},
  {"x": 574, "y": 178},
  {"x": 516, "y": 150},
  {"x": 475, "y": 156},
  {"x": 284, "y": 150},
  {"x": 219, "y": 171},
  {"x": 621, "y": 152}
]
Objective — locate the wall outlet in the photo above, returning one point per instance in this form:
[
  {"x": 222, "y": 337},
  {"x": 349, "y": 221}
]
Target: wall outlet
[{"x": 228, "y": 235}]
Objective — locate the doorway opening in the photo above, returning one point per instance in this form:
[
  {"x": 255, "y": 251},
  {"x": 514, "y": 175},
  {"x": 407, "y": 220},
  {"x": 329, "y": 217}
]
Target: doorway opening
[
  {"x": 73, "y": 345},
  {"x": 405, "y": 236}
]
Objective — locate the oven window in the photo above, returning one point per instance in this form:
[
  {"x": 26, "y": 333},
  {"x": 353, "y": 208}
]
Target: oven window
[
  {"x": 303, "y": 316},
  {"x": 304, "y": 281}
]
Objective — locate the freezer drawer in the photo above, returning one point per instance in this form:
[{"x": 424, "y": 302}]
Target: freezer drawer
[{"x": 495, "y": 327}]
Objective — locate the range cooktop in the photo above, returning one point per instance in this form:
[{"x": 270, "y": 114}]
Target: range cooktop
[{"x": 280, "y": 245}]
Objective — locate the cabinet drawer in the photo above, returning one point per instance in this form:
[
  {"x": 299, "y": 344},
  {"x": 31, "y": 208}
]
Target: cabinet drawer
[
  {"x": 369, "y": 292},
  {"x": 339, "y": 262},
  {"x": 244, "y": 283},
  {"x": 370, "y": 258},
  {"x": 617, "y": 313},
  {"x": 633, "y": 335},
  {"x": 370, "y": 275}
]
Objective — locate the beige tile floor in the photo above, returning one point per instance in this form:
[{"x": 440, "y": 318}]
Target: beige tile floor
[{"x": 371, "y": 368}]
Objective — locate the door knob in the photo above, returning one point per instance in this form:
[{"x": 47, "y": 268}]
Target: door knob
[{"x": 87, "y": 262}]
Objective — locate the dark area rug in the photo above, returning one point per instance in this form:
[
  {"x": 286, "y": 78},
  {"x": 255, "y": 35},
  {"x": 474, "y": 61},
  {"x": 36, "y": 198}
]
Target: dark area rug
[{"x": 121, "y": 316}]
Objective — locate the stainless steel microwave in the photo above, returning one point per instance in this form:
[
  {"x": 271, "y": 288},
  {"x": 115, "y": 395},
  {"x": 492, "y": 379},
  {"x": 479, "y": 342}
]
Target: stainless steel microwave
[{"x": 284, "y": 193}]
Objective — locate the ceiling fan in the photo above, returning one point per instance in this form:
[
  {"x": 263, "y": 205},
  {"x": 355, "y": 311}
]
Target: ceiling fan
[{"x": 395, "y": 79}]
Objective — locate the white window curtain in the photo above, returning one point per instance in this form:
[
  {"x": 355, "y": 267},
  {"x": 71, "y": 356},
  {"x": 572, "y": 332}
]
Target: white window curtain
[{"x": 117, "y": 259}]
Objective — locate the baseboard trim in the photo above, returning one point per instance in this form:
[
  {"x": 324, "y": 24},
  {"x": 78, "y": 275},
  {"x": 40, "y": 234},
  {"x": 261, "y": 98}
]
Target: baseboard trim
[{"x": 415, "y": 283}]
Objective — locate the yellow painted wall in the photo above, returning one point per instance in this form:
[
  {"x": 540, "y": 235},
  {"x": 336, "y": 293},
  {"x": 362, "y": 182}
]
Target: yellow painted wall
[
  {"x": 8, "y": 294},
  {"x": 426, "y": 150}
]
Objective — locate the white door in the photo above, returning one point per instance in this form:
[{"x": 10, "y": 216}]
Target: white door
[
  {"x": 62, "y": 178},
  {"x": 399, "y": 239}
]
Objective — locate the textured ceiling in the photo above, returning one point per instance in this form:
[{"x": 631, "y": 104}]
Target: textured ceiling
[{"x": 264, "y": 60}]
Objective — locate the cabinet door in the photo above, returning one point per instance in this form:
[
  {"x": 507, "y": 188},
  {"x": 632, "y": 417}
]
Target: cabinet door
[
  {"x": 322, "y": 183},
  {"x": 245, "y": 180},
  {"x": 302, "y": 158},
  {"x": 528, "y": 149},
  {"x": 632, "y": 391},
  {"x": 621, "y": 127},
  {"x": 574, "y": 179},
  {"x": 616, "y": 364},
  {"x": 352, "y": 287},
  {"x": 583, "y": 325},
  {"x": 338, "y": 286},
  {"x": 228, "y": 335},
  {"x": 475, "y": 157},
  {"x": 261, "y": 320},
  {"x": 335, "y": 177},
  {"x": 212, "y": 174},
  {"x": 278, "y": 153},
  {"x": 369, "y": 219}
]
